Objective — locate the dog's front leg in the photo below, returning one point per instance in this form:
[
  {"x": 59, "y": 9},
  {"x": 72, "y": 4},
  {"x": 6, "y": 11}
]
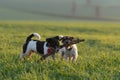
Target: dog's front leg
[
  {"x": 53, "y": 56},
  {"x": 70, "y": 58},
  {"x": 29, "y": 55},
  {"x": 66, "y": 57},
  {"x": 43, "y": 57},
  {"x": 62, "y": 55},
  {"x": 74, "y": 58}
]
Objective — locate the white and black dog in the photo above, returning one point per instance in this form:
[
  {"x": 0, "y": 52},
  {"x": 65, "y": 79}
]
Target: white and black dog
[
  {"x": 43, "y": 48},
  {"x": 70, "y": 51}
]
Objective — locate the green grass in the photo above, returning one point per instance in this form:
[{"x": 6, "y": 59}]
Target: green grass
[{"x": 99, "y": 55}]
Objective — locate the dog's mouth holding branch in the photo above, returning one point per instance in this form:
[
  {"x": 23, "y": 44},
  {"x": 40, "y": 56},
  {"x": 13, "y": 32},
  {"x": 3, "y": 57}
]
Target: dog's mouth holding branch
[
  {"x": 69, "y": 42},
  {"x": 70, "y": 51}
]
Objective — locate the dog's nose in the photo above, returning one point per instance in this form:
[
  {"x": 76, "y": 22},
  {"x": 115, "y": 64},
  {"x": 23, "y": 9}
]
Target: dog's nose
[{"x": 66, "y": 42}]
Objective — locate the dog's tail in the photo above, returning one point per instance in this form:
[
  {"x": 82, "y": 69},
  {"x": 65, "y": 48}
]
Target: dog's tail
[{"x": 32, "y": 35}]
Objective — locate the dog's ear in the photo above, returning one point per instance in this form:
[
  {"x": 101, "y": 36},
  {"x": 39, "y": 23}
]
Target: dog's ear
[
  {"x": 49, "y": 39},
  {"x": 56, "y": 37},
  {"x": 59, "y": 37}
]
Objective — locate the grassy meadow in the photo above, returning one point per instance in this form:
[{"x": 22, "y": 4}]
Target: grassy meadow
[{"x": 99, "y": 55}]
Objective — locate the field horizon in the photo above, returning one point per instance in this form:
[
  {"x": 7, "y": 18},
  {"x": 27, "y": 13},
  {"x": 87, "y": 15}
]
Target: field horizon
[{"x": 52, "y": 10}]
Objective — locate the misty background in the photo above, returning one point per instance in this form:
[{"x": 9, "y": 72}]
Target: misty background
[{"x": 59, "y": 10}]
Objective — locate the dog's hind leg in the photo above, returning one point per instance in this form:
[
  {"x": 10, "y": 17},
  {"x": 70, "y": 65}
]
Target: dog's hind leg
[
  {"x": 22, "y": 56},
  {"x": 29, "y": 55},
  {"x": 23, "y": 53}
]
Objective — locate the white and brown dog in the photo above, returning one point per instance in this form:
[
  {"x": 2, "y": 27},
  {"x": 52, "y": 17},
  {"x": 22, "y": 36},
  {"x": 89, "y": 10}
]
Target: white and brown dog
[
  {"x": 44, "y": 48},
  {"x": 70, "y": 51}
]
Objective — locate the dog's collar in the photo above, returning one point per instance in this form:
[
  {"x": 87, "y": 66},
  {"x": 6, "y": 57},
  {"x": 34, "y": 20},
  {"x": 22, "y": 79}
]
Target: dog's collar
[{"x": 49, "y": 51}]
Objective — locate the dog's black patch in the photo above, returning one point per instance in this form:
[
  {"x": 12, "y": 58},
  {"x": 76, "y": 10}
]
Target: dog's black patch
[
  {"x": 52, "y": 42},
  {"x": 40, "y": 47},
  {"x": 57, "y": 37},
  {"x": 25, "y": 47}
]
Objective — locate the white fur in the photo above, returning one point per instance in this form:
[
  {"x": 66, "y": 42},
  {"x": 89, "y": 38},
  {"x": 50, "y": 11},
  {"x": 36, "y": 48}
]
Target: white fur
[
  {"x": 32, "y": 47},
  {"x": 73, "y": 53},
  {"x": 45, "y": 48},
  {"x": 60, "y": 36},
  {"x": 37, "y": 35}
]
